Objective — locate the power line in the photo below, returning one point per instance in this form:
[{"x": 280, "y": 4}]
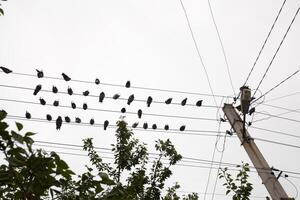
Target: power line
[
  {"x": 275, "y": 131},
  {"x": 282, "y": 97},
  {"x": 158, "y": 130},
  {"x": 222, "y": 46},
  {"x": 279, "y": 143},
  {"x": 113, "y": 111},
  {"x": 282, "y": 108},
  {"x": 263, "y": 46},
  {"x": 198, "y": 51},
  {"x": 276, "y": 116},
  {"x": 122, "y": 86},
  {"x": 276, "y": 85},
  {"x": 280, "y": 114},
  {"x": 277, "y": 51},
  {"x": 97, "y": 96}
]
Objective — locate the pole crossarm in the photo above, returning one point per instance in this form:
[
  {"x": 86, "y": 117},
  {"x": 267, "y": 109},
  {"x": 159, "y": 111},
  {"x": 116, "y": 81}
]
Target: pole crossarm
[{"x": 268, "y": 178}]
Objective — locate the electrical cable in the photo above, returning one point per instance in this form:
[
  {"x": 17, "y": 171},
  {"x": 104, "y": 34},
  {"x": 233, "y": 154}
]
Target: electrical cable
[
  {"x": 293, "y": 186},
  {"x": 222, "y": 46},
  {"x": 198, "y": 51},
  {"x": 113, "y": 111},
  {"x": 282, "y": 108},
  {"x": 277, "y": 50},
  {"x": 274, "y": 131},
  {"x": 119, "y": 85},
  {"x": 264, "y": 44},
  {"x": 282, "y": 97},
  {"x": 276, "y": 116},
  {"x": 280, "y": 114}
]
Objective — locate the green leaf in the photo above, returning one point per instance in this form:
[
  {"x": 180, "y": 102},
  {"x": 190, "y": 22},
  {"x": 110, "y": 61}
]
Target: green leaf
[
  {"x": 3, "y": 113},
  {"x": 17, "y": 137},
  {"x": 1, "y": 12},
  {"x": 19, "y": 126},
  {"x": 28, "y": 134}
]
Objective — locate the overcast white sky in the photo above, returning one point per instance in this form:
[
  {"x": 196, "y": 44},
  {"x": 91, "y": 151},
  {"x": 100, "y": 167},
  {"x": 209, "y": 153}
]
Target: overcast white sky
[{"x": 149, "y": 43}]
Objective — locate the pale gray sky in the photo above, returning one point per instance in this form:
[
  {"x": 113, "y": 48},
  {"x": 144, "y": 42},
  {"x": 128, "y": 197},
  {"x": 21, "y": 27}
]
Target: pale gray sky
[{"x": 149, "y": 43}]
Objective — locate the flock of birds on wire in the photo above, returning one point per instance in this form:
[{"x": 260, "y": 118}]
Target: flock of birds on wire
[{"x": 67, "y": 119}]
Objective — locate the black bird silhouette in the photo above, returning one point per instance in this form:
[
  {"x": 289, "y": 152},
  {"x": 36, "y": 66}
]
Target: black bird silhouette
[
  {"x": 58, "y": 122},
  {"x": 77, "y": 120},
  {"x": 199, "y": 103},
  {"x": 27, "y": 115},
  {"x": 166, "y": 127},
  {"x": 66, "y": 77},
  {"x": 127, "y": 85},
  {"x": 154, "y": 126},
  {"x": 84, "y": 106},
  {"x": 92, "y": 121},
  {"x": 182, "y": 128},
  {"x": 140, "y": 112},
  {"x": 116, "y": 96},
  {"x": 73, "y": 105},
  {"x": 37, "y": 89},
  {"x": 101, "y": 97},
  {"x": 54, "y": 89},
  {"x": 149, "y": 101},
  {"x": 86, "y": 93},
  {"x": 106, "y": 122},
  {"x": 42, "y": 101},
  {"x": 123, "y": 110},
  {"x": 56, "y": 103},
  {"x": 168, "y": 101},
  {"x": 183, "y": 102},
  {"x": 67, "y": 119},
  {"x": 48, "y": 117},
  {"x": 97, "y": 81},
  {"x": 40, "y": 73},
  {"x": 5, "y": 70},
  {"x": 145, "y": 125},
  {"x": 135, "y": 124},
  {"x": 70, "y": 91},
  {"x": 130, "y": 99}
]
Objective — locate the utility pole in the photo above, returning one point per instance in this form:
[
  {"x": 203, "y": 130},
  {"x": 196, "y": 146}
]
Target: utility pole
[{"x": 270, "y": 181}]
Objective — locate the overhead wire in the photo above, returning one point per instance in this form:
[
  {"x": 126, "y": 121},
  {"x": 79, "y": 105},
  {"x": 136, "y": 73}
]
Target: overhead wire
[
  {"x": 277, "y": 50},
  {"x": 122, "y": 86},
  {"x": 222, "y": 46},
  {"x": 198, "y": 51},
  {"x": 275, "y": 131},
  {"x": 265, "y": 41},
  {"x": 280, "y": 114},
  {"x": 282, "y": 97},
  {"x": 277, "y": 116}
]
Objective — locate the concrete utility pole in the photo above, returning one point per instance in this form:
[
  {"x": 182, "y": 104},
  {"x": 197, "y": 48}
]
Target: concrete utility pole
[{"x": 270, "y": 181}]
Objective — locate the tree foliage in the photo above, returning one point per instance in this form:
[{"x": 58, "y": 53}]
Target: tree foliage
[
  {"x": 239, "y": 185},
  {"x": 29, "y": 173}
]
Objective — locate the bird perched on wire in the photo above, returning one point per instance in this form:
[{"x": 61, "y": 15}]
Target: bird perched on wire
[
  {"x": 56, "y": 103},
  {"x": 73, "y": 105},
  {"x": 135, "y": 124},
  {"x": 127, "y": 85},
  {"x": 182, "y": 128},
  {"x": 27, "y": 115},
  {"x": 67, "y": 119},
  {"x": 105, "y": 125},
  {"x": 199, "y": 103},
  {"x": 149, "y": 101},
  {"x": 101, "y": 97},
  {"x": 140, "y": 112},
  {"x": 92, "y": 121},
  {"x": 116, "y": 96},
  {"x": 84, "y": 106},
  {"x": 54, "y": 89},
  {"x": 37, "y": 89},
  {"x": 5, "y": 70},
  {"x": 168, "y": 101},
  {"x": 77, "y": 120},
  {"x": 166, "y": 127},
  {"x": 97, "y": 81},
  {"x": 123, "y": 110},
  {"x": 154, "y": 126},
  {"x": 42, "y": 101},
  {"x": 65, "y": 77},
  {"x": 145, "y": 125},
  {"x": 40, "y": 73},
  {"x": 58, "y": 123},
  {"x": 70, "y": 91},
  {"x": 86, "y": 93},
  {"x": 130, "y": 99},
  {"x": 183, "y": 102},
  {"x": 48, "y": 117}
]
